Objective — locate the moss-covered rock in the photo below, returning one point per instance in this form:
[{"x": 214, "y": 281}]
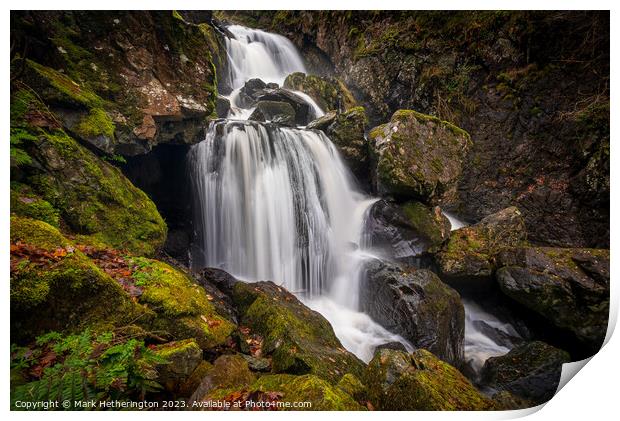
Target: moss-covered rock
[
  {"x": 417, "y": 305},
  {"x": 290, "y": 390},
  {"x": 347, "y": 131},
  {"x": 123, "y": 81},
  {"x": 329, "y": 93},
  {"x": 56, "y": 287},
  {"x": 299, "y": 340},
  {"x": 530, "y": 371},
  {"x": 91, "y": 196},
  {"x": 419, "y": 382},
  {"x": 467, "y": 260},
  {"x": 430, "y": 223},
  {"x": 353, "y": 387},
  {"x": 181, "y": 307},
  {"x": 182, "y": 359},
  {"x": 567, "y": 287},
  {"x": 26, "y": 203},
  {"x": 229, "y": 372},
  {"x": 418, "y": 156}
]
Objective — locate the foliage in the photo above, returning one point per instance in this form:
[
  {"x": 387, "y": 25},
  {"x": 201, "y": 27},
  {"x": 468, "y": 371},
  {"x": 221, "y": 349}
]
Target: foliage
[{"x": 85, "y": 366}]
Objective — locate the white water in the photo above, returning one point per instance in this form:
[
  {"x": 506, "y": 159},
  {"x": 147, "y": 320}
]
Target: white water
[
  {"x": 278, "y": 204},
  {"x": 455, "y": 222}
]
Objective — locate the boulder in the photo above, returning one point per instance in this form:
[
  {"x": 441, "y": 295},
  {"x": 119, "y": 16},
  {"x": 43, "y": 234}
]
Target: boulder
[
  {"x": 417, "y": 305},
  {"x": 222, "y": 106},
  {"x": 304, "y": 113},
  {"x": 274, "y": 111},
  {"x": 287, "y": 390},
  {"x": 419, "y": 381},
  {"x": 228, "y": 372},
  {"x": 329, "y": 93},
  {"x": 417, "y": 156},
  {"x": 567, "y": 287},
  {"x": 298, "y": 340},
  {"x": 530, "y": 371},
  {"x": 182, "y": 358},
  {"x": 467, "y": 260},
  {"x": 347, "y": 131},
  {"x": 354, "y": 387}
]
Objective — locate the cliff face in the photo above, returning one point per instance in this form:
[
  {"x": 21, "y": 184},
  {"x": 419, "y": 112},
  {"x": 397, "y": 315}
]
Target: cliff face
[{"x": 532, "y": 89}]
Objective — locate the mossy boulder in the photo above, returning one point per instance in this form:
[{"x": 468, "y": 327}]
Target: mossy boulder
[
  {"x": 418, "y": 156},
  {"x": 353, "y": 387},
  {"x": 329, "y": 93},
  {"x": 530, "y": 371},
  {"x": 89, "y": 196},
  {"x": 347, "y": 131},
  {"x": 182, "y": 359},
  {"x": 123, "y": 81},
  {"x": 299, "y": 340},
  {"x": 229, "y": 372},
  {"x": 567, "y": 287},
  {"x": 56, "y": 287},
  {"x": 180, "y": 307},
  {"x": 417, "y": 305},
  {"x": 289, "y": 390},
  {"x": 468, "y": 259},
  {"x": 420, "y": 382},
  {"x": 432, "y": 225},
  {"x": 274, "y": 111}
]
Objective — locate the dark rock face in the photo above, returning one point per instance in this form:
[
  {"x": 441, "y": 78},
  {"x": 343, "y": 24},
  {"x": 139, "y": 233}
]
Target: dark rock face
[
  {"x": 347, "y": 131},
  {"x": 329, "y": 93},
  {"x": 467, "y": 260},
  {"x": 567, "y": 287},
  {"x": 274, "y": 111},
  {"x": 417, "y": 156},
  {"x": 406, "y": 232},
  {"x": 530, "y": 371},
  {"x": 497, "y": 77},
  {"x": 419, "y": 381},
  {"x": 222, "y": 107},
  {"x": 304, "y": 114},
  {"x": 417, "y": 305},
  {"x": 397, "y": 346},
  {"x": 122, "y": 81}
]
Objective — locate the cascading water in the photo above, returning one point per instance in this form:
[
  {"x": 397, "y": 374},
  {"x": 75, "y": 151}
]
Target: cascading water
[{"x": 277, "y": 203}]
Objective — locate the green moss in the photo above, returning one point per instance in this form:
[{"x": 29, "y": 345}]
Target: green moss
[
  {"x": 38, "y": 233},
  {"x": 96, "y": 123},
  {"x": 431, "y": 226},
  {"x": 353, "y": 387},
  {"x": 403, "y": 115},
  {"x": 182, "y": 307},
  {"x": 25, "y": 203}
]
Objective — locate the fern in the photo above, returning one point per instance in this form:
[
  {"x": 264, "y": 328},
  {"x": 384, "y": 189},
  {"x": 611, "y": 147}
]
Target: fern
[{"x": 86, "y": 367}]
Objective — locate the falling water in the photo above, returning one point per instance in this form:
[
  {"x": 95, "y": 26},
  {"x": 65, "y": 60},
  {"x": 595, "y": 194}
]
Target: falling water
[{"x": 277, "y": 203}]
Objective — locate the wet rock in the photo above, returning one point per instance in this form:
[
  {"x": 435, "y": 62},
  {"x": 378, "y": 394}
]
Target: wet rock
[
  {"x": 467, "y": 260},
  {"x": 273, "y": 111},
  {"x": 419, "y": 381},
  {"x": 418, "y": 157},
  {"x": 298, "y": 340},
  {"x": 222, "y": 107},
  {"x": 417, "y": 305},
  {"x": 304, "y": 113},
  {"x": 530, "y": 371},
  {"x": 182, "y": 357},
  {"x": 397, "y": 346},
  {"x": 498, "y": 336},
  {"x": 329, "y": 93},
  {"x": 567, "y": 287},
  {"x": 347, "y": 131},
  {"x": 406, "y": 232}
]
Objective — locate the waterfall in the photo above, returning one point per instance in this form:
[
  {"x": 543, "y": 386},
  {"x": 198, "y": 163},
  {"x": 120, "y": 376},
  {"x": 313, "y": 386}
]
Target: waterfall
[{"x": 277, "y": 203}]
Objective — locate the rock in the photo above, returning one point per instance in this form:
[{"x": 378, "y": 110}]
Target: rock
[
  {"x": 182, "y": 357},
  {"x": 397, "y": 346},
  {"x": 418, "y": 156},
  {"x": 298, "y": 340},
  {"x": 222, "y": 280},
  {"x": 417, "y": 305},
  {"x": 59, "y": 294},
  {"x": 124, "y": 89},
  {"x": 304, "y": 113},
  {"x": 530, "y": 371},
  {"x": 507, "y": 401},
  {"x": 347, "y": 131},
  {"x": 353, "y": 387},
  {"x": 329, "y": 93},
  {"x": 419, "y": 381},
  {"x": 228, "y": 372},
  {"x": 273, "y": 111},
  {"x": 498, "y": 336},
  {"x": 467, "y": 260},
  {"x": 253, "y": 86},
  {"x": 567, "y": 287},
  {"x": 288, "y": 390},
  {"x": 257, "y": 364},
  {"x": 222, "y": 107},
  {"x": 181, "y": 309},
  {"x": 90, "y": 196}
]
